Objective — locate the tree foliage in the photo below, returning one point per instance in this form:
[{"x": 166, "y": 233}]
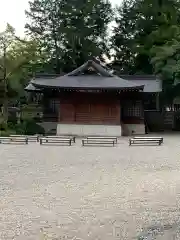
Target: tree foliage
[
  {"x": 142, "y": 25},
  {"x": 17, "y": 59},
  {"x": 70, "y": 31},
  {"x": 123, "y": 37}
]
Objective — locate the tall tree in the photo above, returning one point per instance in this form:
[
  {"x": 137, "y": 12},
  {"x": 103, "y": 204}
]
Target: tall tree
[
  {"x": 166, "y": 62},
  {"x": 70, "y": 31},
  {"x": 16, "y": 56},
  {"x": 148, "y": 23},
  {"x": 123, "y": 38},
  {"x": 156, "y": 21}
]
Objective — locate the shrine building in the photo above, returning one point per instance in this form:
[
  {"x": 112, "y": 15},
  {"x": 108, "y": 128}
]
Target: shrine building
[{"x": 91, "y": 101}]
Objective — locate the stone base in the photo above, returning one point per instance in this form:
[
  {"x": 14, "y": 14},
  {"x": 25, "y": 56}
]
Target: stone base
[{"x": 88, "y": 130}]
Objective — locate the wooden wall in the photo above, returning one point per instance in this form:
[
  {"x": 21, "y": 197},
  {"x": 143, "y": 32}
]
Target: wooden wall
[{"x": 89, "y": 109}]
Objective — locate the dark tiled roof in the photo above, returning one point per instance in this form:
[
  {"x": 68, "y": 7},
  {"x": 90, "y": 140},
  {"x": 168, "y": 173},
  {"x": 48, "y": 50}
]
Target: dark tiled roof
[
  {"x": 86, "y": 82},
  {"x": 99, "y": 78},
  {"x": 151, "y": 83},
  {"x": 138, "y": 77}
]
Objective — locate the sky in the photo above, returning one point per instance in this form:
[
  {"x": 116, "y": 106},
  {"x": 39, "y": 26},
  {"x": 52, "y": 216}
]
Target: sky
[{"x": 12, "y": 11}]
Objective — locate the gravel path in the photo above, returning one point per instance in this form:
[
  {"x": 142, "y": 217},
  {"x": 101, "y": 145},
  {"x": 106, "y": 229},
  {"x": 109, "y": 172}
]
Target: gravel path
[{"x": 90, "y": 193}]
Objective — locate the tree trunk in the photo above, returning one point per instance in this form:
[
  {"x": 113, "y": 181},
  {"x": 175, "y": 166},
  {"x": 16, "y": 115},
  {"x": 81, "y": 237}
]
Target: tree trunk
[{"x": 5, "y": 97}]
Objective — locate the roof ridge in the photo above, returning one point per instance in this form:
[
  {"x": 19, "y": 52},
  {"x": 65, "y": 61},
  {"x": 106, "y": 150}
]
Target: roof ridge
[{"x": 90, "y": 63}]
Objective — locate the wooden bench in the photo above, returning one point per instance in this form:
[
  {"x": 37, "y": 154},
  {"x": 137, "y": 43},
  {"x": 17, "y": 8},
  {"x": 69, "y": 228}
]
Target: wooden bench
[
  {"x": 142, "y": 137},
  {"x": 143, "y": 140},
  {"x": 73, "y": 138},
  {"x": 99, "y": 141},
  {"x": 55, "y": 140},
  {"x": 31, "y": 138},
  {"x": 102, "y": 138},
  {"x": 13, "y": 140}
]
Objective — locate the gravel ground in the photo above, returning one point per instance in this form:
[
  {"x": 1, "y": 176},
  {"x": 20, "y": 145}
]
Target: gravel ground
[{"x": 90, "y": 193}]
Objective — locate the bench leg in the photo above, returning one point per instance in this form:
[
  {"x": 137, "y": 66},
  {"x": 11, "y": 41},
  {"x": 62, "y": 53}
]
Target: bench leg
[
  {"x": 26, "y": 141},
  {"x": 82, "y": 143},
  {"x": 40, "y": 141},
  {"x": 70, "y": 142},
  {"x": 129, "y": 142}
]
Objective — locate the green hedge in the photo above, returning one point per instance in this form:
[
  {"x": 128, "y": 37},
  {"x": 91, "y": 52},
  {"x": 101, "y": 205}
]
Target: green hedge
[
  {"x": 29, "y": 128},
  {"x": 7, "y": 133},
  {"x": 25, "y": 128}
]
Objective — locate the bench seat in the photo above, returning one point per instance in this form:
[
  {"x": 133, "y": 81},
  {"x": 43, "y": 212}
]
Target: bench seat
[
  {"x": 73, "y": 138},
  {"x": 55, "y": 140},
  {"x": 102, "y": 138},
  {"x": 97, "y": 141},
  {"x": 145, "y": 140},
  {"x": 140, "y": 137},
  {"x": 31, "y": 138},
  {"x": 14, "y": 140}
]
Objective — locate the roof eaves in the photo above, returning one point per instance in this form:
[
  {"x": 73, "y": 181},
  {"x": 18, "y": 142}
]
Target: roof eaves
[{"x": 39, "y": 87}]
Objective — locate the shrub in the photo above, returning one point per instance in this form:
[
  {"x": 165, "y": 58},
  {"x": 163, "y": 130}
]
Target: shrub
[
  {"x": 31, "y": 128},
  {"x": 12, "y": 125},
  {"x": 3, "y": 127},
  {"x": 4, "y": 133},
  {"x": 28, "y": 127},
  {"x": 7, "y": 133},
  {"x": 12, "y": 120},
  {"x": 20, "y": 129}
]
